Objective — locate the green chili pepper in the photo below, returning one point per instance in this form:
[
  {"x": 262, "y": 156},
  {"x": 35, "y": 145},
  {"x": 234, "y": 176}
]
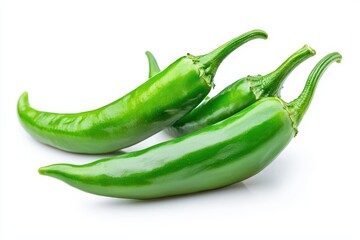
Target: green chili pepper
[
  {"x": 239, "y": 95},
  {"x": 151, "y": 107},
  {"x": 213, "y": 157}
]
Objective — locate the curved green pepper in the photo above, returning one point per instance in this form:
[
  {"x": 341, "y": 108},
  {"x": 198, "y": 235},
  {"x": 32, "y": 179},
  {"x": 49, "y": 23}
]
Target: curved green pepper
[
  {"x": 153, "y": 106},
  {"x": 238, "y": 96},
  {"x": 213, "y": 157}
]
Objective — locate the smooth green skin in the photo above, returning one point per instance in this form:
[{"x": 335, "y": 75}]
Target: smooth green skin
[
  {"x": 128, "y": 120},
  {"x": 239, "y": 95},
  {"x": 216, "y": 156},
  {"x": 148, "y": 109},
  {"x": 229, "y": 101},
  {"x": 155, "y": 69},
  {"x": 219, "y": 155}
]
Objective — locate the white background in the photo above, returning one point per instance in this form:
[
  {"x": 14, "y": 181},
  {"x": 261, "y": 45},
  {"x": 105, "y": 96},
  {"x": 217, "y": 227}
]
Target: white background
[{"x": 76, "y": 55}]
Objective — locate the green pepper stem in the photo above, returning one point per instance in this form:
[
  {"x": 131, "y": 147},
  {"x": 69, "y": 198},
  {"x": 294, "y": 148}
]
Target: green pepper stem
[
  {"x": 271, "y": 83},
  {"x": 212, "y": 60},
  {"x": 153, "y": 65},
  {"x": 298, "y": 107}
]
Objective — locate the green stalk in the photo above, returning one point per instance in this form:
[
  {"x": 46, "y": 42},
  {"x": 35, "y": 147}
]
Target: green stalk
[
  {"x": 271, "y": 83},
  {"x": 153, "y": 65},
  {"x": 298, "y": 107},
  {"x": 211, "y": 61}
]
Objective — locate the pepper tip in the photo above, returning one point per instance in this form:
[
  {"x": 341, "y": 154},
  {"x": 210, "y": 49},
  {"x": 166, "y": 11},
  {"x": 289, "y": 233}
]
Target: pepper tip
[
  {"x": 42, "y": 171},
  {"x": 23, "y": 101}
]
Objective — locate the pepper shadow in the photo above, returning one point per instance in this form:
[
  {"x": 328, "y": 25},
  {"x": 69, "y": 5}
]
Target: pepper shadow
[{"x": 237, "y": 189}]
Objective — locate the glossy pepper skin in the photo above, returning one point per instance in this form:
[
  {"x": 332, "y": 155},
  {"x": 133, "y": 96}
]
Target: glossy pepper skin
[
  {"x": 155, "y": 69},
  {"x": 216, "y": 156},
  {"x": 153, "y": 106},
  {"x": 238, "y": 96}
]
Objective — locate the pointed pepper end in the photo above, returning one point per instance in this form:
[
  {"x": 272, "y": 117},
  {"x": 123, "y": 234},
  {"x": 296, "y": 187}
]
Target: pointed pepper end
[
  {"x": 24, "y": 98},
  {"x": 44, "y": 171},
  {"x": 23, "y": 102}
]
